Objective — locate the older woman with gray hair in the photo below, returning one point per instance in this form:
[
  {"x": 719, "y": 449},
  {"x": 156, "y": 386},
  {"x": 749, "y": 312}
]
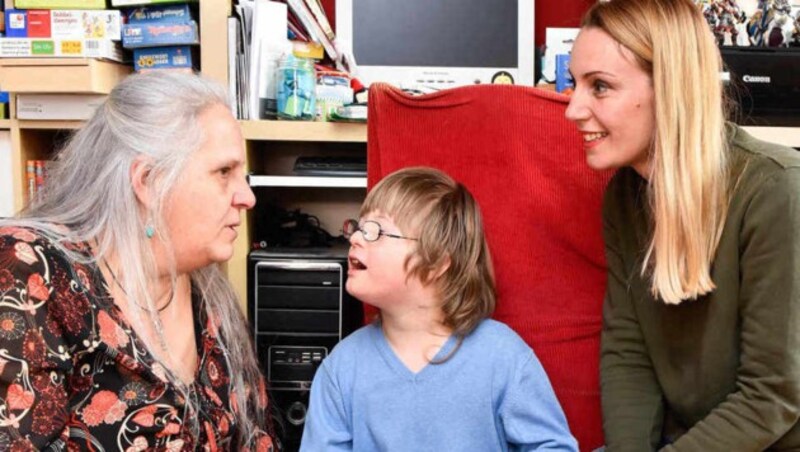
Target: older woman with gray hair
[{"x": 117, "y": 328}]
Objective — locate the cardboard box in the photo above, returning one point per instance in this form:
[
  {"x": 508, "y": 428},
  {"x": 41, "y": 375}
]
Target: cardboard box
[
  {"x": 66, "y": 24},
  {"x": 156, "y": 34},
  {"x": 165, "y": 14},
  {"x": 174, "y": 57},
  {"x": 58, "y": 107},
  {"x": 60, "y": 75},
  {"x": 74, "y": 48},
  {"x": 564, "y": 80},
  {"x": 60, "y": 4}
]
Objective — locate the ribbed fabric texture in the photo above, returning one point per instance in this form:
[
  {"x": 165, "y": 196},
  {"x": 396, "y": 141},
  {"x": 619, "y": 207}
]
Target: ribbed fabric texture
[{"x": 525, "y": 164}]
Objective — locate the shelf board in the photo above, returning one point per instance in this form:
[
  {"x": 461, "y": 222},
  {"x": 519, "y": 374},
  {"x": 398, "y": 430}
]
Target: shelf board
[
  {"x": 787, "y": 136},
  {"x": 304, "y": 131},
  {"x": 308, "y": 181},
  {"x": 49, "y": 125},
  {"x": 5, "y": 124}
]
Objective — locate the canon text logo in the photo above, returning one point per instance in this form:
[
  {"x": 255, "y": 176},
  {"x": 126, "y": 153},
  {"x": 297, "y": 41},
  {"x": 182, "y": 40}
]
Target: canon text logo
[{"x": 756, "y": 79}]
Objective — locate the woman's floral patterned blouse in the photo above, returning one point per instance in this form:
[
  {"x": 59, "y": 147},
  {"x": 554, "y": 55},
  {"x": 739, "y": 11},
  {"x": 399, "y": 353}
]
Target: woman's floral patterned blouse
[{"x": 75, "y": 376}]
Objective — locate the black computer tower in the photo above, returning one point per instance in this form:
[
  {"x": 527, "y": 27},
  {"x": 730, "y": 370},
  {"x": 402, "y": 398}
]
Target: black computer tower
[{"x": 299, "y": 310}]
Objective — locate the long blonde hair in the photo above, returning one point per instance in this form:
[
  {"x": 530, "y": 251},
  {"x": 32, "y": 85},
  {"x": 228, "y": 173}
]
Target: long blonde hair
[
  {"x": 450, "y": 229},
  {"x": 689, "y": 180}
]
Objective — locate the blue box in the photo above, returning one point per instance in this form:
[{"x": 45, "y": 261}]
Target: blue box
[
  {"x": 175, "y": 57},
  {"x": 16, "y": 23},
  {"x": 166, "y": 14},
  {"x": 155, "y": 34},
  {"x": 563, "y": 78}
]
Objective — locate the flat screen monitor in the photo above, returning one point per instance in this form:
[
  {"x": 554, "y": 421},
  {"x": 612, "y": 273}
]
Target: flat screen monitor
[{"x": 438, "y": 43}]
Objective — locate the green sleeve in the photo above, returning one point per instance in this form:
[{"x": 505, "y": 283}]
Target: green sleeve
[
  {"x": 631, "y": 396},
  {"x": 766, "y": 403}
]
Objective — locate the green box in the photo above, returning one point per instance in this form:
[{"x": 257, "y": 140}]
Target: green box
[
  {"x": 3, "y": 114},
  {"x": 60, "y": 4},
  {"x": 43, "y": 48}
]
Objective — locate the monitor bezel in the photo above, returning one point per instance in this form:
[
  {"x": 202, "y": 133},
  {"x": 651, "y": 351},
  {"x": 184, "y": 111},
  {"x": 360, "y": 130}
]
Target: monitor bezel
[{"x": 435, "y": 77}]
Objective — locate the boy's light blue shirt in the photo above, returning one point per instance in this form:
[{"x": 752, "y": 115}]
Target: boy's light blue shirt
[{"x": 491, "y": 395}]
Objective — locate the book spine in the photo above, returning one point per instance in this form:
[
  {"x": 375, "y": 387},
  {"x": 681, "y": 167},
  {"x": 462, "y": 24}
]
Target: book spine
[
  {"x": 39, "y": 174},
  {"x": 322, "y": 19},
  {"x": 302, "y": 12},
  {"x": 30, "y": 178}
]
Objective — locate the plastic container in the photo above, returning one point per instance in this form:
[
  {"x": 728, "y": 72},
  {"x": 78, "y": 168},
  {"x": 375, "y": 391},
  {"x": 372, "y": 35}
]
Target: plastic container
[{"x": 295, "y": 88}]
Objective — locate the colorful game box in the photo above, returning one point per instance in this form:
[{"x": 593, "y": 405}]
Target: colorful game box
[
  {"x": 157, "y": 34},
  {"x": 173, "y": 57},
  {"x": 162, "y": 14},
  {"x": 65, "y": 24}
]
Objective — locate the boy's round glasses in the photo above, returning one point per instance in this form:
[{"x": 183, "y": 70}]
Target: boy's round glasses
[{"x": 372, "y": 231}]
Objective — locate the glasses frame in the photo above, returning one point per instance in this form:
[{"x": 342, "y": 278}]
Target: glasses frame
[{"x": 381, "y": 232}]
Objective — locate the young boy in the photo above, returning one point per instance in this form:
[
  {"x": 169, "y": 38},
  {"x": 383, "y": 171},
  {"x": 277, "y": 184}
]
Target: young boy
[{"x": 433, "y": 373}]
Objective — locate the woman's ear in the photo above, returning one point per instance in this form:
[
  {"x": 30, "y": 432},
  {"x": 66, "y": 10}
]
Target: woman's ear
[{"x": 141, "y": 181}]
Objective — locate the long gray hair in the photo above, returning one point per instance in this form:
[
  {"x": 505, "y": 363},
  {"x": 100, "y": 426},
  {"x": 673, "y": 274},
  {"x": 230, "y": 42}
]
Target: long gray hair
[{"x": 89, "y": 190}]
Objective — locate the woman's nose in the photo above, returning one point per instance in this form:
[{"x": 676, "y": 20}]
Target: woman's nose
[
  {"x": 577, "y": 109},
  {"x": 244, "y": 198}
]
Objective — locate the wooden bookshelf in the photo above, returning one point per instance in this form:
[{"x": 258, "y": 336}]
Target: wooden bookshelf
[
  {"x": 787, "y": 136},
  {"x": 327, "y": 197},
  {"x": 5, "y": 124}
]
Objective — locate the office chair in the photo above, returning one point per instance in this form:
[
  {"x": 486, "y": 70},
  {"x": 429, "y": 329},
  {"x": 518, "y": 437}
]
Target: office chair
[{"x": 525, "y": 165}]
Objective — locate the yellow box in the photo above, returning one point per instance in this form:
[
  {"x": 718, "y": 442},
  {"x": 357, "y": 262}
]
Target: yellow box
[{"x": 60, "y": 75}]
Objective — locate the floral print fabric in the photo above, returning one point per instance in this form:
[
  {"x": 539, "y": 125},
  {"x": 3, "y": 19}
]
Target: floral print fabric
[{"x": 75, "y": 376}]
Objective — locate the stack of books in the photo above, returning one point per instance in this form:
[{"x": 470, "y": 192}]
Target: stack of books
[
  {"x": 260, "y": 33},
  {"x": 35, "y": 176}
]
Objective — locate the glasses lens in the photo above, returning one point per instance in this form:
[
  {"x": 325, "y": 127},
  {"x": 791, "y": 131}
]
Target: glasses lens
[{"x": 371, "y": 231}]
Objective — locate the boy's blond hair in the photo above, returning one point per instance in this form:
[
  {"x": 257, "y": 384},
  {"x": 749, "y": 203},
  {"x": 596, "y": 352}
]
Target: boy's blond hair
[{"x": 446, "y": 219}]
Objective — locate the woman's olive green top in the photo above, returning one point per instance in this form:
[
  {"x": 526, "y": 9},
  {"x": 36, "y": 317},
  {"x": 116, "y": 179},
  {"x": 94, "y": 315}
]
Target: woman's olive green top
[{"x": 720, "y": 373}]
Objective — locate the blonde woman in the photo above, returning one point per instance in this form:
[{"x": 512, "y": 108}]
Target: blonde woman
[{"x": 701, "y": 338}]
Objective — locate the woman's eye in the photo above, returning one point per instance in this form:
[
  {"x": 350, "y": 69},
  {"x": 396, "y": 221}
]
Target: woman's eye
[
  {"x": 599, "y": 87},
  {"x": 225, "y": 171}
]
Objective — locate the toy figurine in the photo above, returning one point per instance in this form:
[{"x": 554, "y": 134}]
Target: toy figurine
[{"x": 729, "y": 15}]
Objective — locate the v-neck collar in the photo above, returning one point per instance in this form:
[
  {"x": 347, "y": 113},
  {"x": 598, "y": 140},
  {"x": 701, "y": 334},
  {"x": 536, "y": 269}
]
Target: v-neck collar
[{"x": 397, "y": 365}]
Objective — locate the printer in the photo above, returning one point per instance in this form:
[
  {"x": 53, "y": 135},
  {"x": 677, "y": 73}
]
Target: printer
[{"x": 764, "y": 83}]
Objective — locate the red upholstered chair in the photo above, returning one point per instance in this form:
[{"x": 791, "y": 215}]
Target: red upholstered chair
[{"x": 525, "y": 164}]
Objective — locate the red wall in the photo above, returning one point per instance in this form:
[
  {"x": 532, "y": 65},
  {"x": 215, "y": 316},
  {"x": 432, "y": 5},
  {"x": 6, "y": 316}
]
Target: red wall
[{"x": 549, "y": 13}]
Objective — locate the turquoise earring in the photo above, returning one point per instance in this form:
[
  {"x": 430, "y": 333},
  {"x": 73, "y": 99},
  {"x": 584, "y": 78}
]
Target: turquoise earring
[{"x": 149, "y": 231}]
